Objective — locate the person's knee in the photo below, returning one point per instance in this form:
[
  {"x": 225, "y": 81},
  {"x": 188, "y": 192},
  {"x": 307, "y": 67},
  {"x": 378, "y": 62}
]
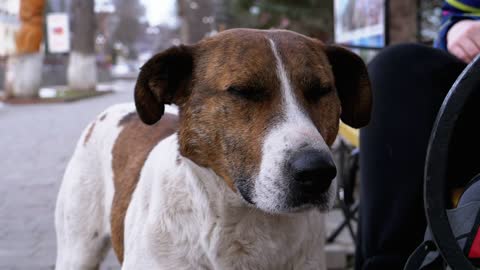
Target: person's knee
[
  {"x": 406, "y": 51},
  {"x": 414, "y": 55},
  {"x": 402, "y": 65},
  {"x": 398, "y": 58}
]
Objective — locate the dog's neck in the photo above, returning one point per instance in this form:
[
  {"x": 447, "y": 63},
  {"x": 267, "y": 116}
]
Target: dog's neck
[
  {"x": 212, "y": 192},
  {"x": 220, "y": 226},
  {"x": 215, "y": 198}
]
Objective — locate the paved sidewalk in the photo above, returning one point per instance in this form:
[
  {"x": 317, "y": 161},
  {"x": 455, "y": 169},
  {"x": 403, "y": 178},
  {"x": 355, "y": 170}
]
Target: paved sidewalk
[{"x": 36, "y": 142}]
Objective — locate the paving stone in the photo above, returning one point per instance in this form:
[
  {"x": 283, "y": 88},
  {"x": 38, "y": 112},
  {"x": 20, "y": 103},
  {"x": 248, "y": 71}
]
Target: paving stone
[{"x": 36, "y": 142}]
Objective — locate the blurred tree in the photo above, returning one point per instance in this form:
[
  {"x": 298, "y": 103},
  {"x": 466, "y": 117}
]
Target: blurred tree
[
  {"x": 403, "y": 21},
  {"x": 430, "y": 19},
  {"x": 311, "y": 17},
  {"x": 24, "y": 67},
  {"x": 198, "y": 19},
  {"x": 82, "y": 68},
  {"x": 131, "y": 24},
  {"x": 413, "y": 20},
  {"x": 165, "y": 38}
]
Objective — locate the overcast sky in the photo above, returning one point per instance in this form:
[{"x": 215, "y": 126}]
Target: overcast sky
[
  {"x": 156, "y": 11},
  {"x": 161, "y": 12}
]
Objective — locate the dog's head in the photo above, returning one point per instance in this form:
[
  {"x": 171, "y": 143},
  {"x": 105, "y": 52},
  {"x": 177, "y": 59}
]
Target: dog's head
[{"x": 260, "y": 108}]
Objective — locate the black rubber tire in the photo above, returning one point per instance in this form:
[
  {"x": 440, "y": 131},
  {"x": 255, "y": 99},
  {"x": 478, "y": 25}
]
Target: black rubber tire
[{"x": 436, "y": 166}]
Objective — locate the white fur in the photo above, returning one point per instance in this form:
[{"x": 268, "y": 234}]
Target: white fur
[
  {"x": 85, "y": 199},
  {"x": 294, "y": 131},
  {"x": 181, "y": 216},
  {"x": 82, "y": 71},
  {"x": 185, "y": 217}
]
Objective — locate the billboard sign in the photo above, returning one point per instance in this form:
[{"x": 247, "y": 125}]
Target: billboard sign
[
  {"x": 58, "y": 33},
  {"x": 360, "y": 23}
]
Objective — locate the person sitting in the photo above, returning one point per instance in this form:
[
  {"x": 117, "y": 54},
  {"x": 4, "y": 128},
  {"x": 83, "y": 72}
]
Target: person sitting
[{"x": 409, "y": 84}]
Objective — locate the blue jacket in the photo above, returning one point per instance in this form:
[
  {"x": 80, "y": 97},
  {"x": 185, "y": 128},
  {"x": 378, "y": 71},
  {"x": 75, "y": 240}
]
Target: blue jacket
[{"x": 452, "y": 12}]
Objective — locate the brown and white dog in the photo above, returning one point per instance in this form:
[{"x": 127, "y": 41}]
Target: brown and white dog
[{"x": 238, "y": 180}]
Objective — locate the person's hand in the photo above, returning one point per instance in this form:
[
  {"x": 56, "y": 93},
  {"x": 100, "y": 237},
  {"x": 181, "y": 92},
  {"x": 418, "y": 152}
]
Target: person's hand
[{"x": 463, "y": 40}]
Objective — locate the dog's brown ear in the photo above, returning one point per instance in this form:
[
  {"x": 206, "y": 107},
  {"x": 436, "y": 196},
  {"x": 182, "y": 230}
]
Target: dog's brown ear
[
  {"x": 353, "y": 86},
  {"x": 164, "y": 79}
]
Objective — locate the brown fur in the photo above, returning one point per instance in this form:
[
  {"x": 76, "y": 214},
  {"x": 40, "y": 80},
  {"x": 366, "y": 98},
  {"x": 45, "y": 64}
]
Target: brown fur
[
  {"x": 103, "y": 117},
  {"x": 310, "y": 73},
  {"x": 129, "y": 153},
  {"x": 213, "y": 116},
  {"x": 89, "y": 133},
  {"x": 353, "y": 86},
  {"x": 225, "y": 131}
]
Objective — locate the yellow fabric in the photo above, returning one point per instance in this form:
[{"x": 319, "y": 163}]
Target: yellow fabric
[
  {"x": 455, "y": 195},
  {"x": 463, "y": 7},
  {"x": 350, "y": 134}
]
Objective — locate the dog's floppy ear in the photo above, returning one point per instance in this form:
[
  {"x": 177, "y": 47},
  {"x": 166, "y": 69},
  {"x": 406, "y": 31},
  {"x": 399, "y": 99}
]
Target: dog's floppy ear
[
  {"x": 164, "y": 79},
  {"x": 353, "y": 86}
]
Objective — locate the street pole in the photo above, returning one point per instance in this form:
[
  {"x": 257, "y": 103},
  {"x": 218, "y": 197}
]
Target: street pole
[
  {"x": 402, "y": 21},
  {"x": 193, "y": 13},
  {"x": 82, "y": 68},
  {"x": 24, "y": 67}
]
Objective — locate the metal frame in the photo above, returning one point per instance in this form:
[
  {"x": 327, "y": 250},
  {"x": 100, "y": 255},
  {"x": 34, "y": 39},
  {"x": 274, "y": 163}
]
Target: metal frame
[{"x": 347, "y": 170}]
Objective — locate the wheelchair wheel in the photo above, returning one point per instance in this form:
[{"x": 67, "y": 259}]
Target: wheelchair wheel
[{"x": 435, "y": 181}]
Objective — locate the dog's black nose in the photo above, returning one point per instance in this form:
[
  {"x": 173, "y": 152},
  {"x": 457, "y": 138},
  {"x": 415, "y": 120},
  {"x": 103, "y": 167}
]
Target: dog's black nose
[{"x": 313, "y": 169}]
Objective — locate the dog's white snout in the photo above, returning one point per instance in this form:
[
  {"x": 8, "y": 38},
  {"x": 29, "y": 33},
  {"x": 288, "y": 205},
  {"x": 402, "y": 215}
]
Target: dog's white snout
[{"x": 295, "y": 160}]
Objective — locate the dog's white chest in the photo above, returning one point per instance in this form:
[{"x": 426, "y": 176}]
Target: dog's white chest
[{"x": 184, "y": 217}]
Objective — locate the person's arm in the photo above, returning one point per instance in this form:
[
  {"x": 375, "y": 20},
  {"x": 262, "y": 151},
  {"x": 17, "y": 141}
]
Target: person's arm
[{"x": 453, "y": 12}]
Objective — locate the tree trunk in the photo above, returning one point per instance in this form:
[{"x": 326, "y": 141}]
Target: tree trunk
[
  {"x": 403, "y": 21},
  {"x": 194, "y": 24},
  {"x": 82, "y": 68},
  {"x": 24, "y": 68}
]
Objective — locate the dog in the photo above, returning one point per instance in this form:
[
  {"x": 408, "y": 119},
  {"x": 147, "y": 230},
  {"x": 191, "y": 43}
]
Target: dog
[{"x": 234, "y": 174}]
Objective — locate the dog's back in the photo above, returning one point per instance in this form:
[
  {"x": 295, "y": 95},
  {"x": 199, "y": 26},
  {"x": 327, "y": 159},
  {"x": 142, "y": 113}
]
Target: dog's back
[
  {"x": 111, "y": 150},
  {"x": 129, "y": 153}
]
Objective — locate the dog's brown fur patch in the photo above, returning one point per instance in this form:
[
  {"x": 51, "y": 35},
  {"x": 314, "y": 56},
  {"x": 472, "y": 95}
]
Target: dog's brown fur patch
[
  {"x": 127, "y": 118},
  {"x": 103, "y": 116},
  {"x": 225, "y": 132},
  {"x": 129, "y": 153},
  {"x": 218, "y": 129},
  {"x": 89, "y": 134},
  {"x": 310, "y": 72}
]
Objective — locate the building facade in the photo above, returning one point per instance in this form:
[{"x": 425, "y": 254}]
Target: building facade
[{"x": 9, "y": 25}]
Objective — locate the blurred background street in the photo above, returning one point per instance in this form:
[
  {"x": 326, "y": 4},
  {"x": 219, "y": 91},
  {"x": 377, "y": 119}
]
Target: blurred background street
[{"x": 33, "y": 157}]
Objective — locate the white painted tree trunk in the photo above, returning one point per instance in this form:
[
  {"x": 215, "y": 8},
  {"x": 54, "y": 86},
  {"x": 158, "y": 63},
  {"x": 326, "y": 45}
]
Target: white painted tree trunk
[
  {"x": 24, "y": 75},
  {"x": 82, "y": 71}
]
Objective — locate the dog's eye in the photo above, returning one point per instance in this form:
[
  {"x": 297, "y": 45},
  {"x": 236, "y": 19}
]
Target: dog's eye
[
  {"x": 249, "y": 94},
  {"x": 313, "y": 94}
]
